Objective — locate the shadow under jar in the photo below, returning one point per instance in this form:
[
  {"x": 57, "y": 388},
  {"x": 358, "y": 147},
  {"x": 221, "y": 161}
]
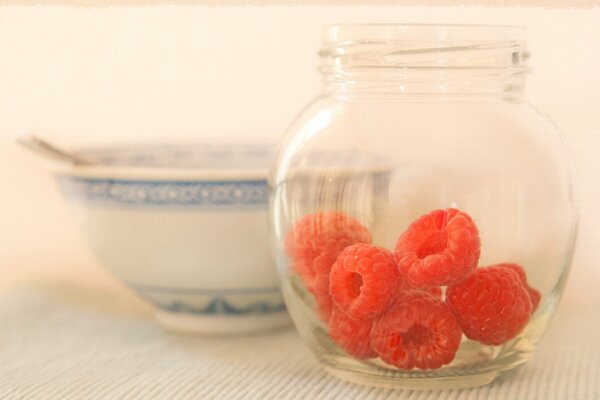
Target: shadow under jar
[{"x": 422, "y": 209}]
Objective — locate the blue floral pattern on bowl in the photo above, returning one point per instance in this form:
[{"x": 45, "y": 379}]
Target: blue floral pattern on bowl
[
  {"x": 233, "y": 302},
  {"x": 175, "y": 193}
]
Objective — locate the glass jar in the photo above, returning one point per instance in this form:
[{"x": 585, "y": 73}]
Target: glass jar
[{"x": 422, "y": 209}]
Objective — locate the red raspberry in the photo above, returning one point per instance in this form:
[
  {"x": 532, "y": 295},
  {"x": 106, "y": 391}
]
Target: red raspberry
[
  {"x": 363, "y": 280},
  {"x": 352, "y": 335},
  {"x": 324, "y": 305},
  {"x": 435, "y": 291},
  {"x": 418, "y": 331},
  {"x": 440, "y": 248},
  {"x": 492, "y": 305},
  {"x": 533, "y": 293},
  {"x": 315, "y": 241}
]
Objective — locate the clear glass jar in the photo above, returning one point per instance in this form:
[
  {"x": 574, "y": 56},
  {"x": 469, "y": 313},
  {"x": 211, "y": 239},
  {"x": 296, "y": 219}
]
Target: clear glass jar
[{"x": 414, "y": 119}]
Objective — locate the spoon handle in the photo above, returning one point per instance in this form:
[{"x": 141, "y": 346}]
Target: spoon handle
[{"x": 50, "y": 151}]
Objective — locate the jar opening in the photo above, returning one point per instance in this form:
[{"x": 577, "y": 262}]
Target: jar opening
[{"x": 485, "y": 58}]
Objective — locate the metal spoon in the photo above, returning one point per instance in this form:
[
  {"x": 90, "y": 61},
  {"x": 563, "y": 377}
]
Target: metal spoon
[{"x": 50, "y": 151}]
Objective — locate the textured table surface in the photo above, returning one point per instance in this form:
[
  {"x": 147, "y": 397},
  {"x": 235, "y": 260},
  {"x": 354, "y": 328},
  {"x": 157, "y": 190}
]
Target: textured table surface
[{"x": 67, "y": 342}]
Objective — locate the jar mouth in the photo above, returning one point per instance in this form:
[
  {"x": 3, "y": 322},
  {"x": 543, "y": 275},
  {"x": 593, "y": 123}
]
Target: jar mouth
[
  {"x": 440, "y": 46},
  {"x": 441, "y": 33},
  {"x": 423, "y": 59}
]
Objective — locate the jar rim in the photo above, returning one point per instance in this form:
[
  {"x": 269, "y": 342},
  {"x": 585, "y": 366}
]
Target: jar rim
[
  {"x": 418, "y": 24},
  {"x": 447, "y": 33},
  {"x": 424, "y": 58}
]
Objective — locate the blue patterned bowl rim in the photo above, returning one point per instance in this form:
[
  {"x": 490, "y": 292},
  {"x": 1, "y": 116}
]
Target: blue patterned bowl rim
[{"x": 176, "y": 162}]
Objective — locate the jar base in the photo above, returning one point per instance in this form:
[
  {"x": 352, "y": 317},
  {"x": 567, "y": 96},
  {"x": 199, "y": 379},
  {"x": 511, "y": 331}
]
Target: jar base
[
  {"x": 430, "y": 380},
  {"x": 457, "y": 382}
]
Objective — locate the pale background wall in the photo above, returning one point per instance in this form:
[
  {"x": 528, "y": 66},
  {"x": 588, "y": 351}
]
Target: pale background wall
[{"x": 85, "y": 75}]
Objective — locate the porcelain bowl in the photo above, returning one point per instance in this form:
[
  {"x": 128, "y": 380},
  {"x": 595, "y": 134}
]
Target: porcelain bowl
[{"x": 186, "y": 227}]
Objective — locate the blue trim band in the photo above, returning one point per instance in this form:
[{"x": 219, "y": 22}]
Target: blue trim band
[
  {"x": 224, "y": 292},
  {"x": 229, "y": 302},
  {"x": 176, "y": 193},
  {"x": 220, "y": 306}
]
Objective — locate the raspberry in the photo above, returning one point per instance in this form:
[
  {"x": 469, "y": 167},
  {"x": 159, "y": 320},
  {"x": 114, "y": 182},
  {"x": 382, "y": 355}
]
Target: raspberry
[
  {"x": 418, "y": 331},
  {"x": 435, "y": 291},
  {"x": 492, "y": 305},
  {"x": 364, "y": 280},
  {"x": 315, "y": 241},
  {"x": 351, "y": 334},
  {"x": 440, "y": 248},
  {"x": 533, "y": 293},
  {"x": 324, "y": 305}
]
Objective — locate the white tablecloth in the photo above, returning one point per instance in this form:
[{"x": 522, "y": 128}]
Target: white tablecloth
[{"x": 65, "y": 342}]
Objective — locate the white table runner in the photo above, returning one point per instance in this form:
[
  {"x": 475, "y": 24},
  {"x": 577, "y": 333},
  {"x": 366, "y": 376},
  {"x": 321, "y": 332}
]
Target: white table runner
[{"x": 69, "y": 343}]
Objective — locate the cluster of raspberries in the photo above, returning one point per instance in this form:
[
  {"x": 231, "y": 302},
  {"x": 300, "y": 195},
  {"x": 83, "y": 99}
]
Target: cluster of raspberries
[{"x": 390, "y": 305}]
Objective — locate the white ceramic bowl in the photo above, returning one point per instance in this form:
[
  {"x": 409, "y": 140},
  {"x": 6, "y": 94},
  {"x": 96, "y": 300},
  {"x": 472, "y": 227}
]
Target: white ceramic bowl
[{"x": 186, "y": 227}]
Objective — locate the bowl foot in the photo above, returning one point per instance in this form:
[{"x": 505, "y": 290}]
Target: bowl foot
[{"x": 221, "y": 325}]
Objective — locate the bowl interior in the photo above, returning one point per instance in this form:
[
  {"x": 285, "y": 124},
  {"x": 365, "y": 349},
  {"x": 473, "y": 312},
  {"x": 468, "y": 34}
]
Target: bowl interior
[{"x": 206, "y": 155}]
